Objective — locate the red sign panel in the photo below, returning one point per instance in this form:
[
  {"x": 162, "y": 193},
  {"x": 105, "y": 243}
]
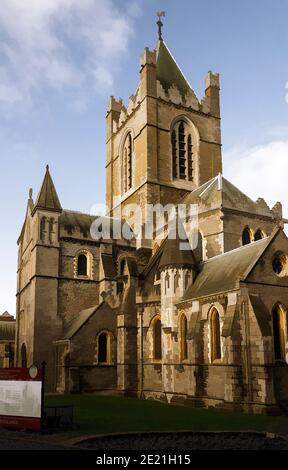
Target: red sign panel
[
  {"x": 19, "y": 422},
  {"x": 21, "y": 373},
  {"x": 21, "y": 398}
]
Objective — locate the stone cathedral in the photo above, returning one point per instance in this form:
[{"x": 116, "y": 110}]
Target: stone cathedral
[{"x": 204, "y": 326}]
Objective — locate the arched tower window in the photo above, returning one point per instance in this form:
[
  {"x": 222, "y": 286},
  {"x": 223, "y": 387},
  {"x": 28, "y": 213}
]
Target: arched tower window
[
  {"x": 82, "y": 265},
  {"x": 177, "y": 278},
  {"x": 127, "y": 167},
  {"x": 247, "y": 236},
  {"x": 258, "y": 234},
  {"x": 182, "y": 151},
  {"x": 167, "y": 282},
  {"x": 183, "y": 338},
  {"x": 51, "y": 228},
  {"x": 215, "y": 335},
  {"x": 42, "y": 228},
  {"x": 104, "y": 348},
  {"x": 157, "y": 339},
  {"x": 279, "y": 332},
  {"x": 23, "y": 355}
]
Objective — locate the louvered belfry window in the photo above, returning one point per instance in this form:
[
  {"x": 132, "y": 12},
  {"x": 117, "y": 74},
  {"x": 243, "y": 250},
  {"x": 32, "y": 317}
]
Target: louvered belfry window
[
  {"x": 182, "y": 151},
  {"x": 127, "y": 167}
]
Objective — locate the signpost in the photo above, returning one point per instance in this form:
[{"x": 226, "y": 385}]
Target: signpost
[{"x": 21, "y": 397}]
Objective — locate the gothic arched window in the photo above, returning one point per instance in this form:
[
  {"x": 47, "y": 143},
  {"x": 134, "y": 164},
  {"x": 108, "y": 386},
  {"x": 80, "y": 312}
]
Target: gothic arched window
[
  {"x": 42, "y": 228},
  {"x": 51, "y": 228},
  {"x": 177, "y": 278},
  {"x": 167, "y": 282},
  {"x": 182, "y": 151},
  {"x": 215, "y": 335},
  {"x": 258, "y": 235},
  {"x": 247, "y": 236},
  {"x": 279, "y": 333},
  {"x": 127, "y": 167},
  {"x": 183, "y": 338},
  {"x": 157, "y": 339}
]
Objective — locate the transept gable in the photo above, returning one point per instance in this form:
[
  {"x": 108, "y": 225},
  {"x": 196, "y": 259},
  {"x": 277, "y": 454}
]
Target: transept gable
[{"x": 272, "y": 266}]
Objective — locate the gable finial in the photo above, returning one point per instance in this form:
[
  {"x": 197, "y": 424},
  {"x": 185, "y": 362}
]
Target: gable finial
[{"x": 160, "y": 24}]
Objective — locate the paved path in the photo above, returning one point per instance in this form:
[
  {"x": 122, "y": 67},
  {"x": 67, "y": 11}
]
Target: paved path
[
  {"x": 188, "y": 441},
  {"x": 21, "y": 440}
]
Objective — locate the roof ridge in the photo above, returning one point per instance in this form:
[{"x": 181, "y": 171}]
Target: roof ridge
[
  {"x": 71, "y": 211},
  {"x": 209, "y": 185},
  {"x": 239, "y": 248}
]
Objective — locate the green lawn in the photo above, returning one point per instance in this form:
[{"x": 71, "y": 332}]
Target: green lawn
[{"x": 98, "y": 414}]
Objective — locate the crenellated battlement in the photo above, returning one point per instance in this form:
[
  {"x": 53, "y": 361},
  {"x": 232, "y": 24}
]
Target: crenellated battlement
[{"x": 148, "y": 57}]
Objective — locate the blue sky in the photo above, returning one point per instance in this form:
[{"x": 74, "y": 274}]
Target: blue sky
[{"x": 60, "y": 60}]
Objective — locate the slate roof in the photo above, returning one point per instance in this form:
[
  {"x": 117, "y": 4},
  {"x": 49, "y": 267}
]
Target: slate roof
[
  {"x": 224, "y": 272},
  {"x": 229, "y": 196},
  {"x": 172, "y": 254},
  {"x": 47, "y": 197},
  {"x": 168, "y": 72},
  {"x": 71, "y": 219},
  {"x": 79, "y": 321}
]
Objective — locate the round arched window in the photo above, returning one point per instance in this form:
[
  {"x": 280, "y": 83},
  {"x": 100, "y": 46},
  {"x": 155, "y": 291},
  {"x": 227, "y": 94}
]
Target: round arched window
[{"x": 82, "y": 265}]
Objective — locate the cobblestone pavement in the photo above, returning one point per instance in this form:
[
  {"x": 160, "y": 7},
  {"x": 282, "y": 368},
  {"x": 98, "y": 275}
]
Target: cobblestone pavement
[{"x": 188, "y": 441}]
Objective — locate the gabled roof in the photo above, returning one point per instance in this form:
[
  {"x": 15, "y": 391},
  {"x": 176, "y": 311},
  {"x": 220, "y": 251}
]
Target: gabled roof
[
  {"x": 173, "y": 255},
  {"x": 168, "y": 71},
  {"x": 224, "y": 272},
  {"x": 228, "y": 196},
  {"x": 79, "y": 321},
  {"x": 6, "y": 317},
  {"x": 47, "y": 197}
]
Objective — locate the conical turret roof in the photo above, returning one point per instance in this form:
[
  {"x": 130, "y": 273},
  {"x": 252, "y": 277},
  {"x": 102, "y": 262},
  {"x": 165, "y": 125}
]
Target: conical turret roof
[{"x": 47, "y": 197}]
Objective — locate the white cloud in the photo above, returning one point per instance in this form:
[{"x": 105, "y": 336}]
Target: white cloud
[
  {"x": 260, "y": 171},
  {"x": 76, "y": 44},
  {"x": 9, "y": 93}
]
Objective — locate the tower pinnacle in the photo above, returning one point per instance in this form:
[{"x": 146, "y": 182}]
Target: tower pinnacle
[{"x": 160, "y": 24}]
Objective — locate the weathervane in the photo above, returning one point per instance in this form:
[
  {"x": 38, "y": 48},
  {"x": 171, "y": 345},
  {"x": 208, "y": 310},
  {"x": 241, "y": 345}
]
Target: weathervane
[{"x": 160, "y": 24}]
